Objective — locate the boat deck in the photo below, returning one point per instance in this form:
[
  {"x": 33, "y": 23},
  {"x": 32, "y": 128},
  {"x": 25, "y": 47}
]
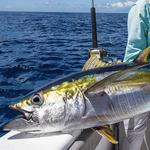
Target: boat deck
[{"x": 90, "y": 140}]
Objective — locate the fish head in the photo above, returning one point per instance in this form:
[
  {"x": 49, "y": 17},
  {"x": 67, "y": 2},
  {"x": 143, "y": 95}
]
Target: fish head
[
  {"x": 28, "y": 106},
  {"x": 40, "y": 111},
  {"x": 57, "y": 106}
]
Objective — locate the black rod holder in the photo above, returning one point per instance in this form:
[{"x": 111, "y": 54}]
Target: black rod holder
[{"x": 94, "y": 28}]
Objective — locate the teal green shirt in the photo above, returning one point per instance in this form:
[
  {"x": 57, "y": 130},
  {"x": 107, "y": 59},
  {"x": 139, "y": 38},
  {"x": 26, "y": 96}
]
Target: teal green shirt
[{"x": 138, "y": 29}]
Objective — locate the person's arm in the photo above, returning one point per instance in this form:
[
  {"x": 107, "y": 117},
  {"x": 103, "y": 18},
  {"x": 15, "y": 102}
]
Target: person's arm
[{"x": 138, "y": 27}]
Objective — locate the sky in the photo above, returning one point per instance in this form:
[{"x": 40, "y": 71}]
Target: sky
[{"x": 66, "y": 5}]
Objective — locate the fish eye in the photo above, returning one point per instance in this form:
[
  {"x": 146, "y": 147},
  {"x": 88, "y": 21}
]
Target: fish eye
[{"x": 37, "y": 100}]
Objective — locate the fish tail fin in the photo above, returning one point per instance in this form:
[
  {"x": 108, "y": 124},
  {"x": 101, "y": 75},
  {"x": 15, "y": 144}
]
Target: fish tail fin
[{"x": 96, "y": 60}]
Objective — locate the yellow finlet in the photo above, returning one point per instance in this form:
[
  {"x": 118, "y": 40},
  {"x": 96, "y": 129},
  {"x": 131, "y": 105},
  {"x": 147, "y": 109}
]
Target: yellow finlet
[{"x": 106, "y": 132}]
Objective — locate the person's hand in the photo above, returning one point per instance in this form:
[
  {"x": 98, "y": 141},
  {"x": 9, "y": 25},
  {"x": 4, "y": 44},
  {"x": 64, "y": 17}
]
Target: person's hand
[{"x": 143, "y": 57}]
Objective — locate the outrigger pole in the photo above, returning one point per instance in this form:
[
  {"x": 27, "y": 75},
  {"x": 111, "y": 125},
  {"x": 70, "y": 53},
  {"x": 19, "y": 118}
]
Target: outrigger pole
[{"x": 94, "y": 29}]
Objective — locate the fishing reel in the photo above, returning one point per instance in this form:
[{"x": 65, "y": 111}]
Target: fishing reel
[{"x": 98, "y": 52}]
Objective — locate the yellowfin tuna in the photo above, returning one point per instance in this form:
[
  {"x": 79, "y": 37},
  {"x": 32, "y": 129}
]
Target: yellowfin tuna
[{"x": 87, "y": 99}]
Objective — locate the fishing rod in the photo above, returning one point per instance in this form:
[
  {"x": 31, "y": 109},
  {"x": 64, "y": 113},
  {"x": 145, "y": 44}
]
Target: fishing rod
[
  {"x": 100, "y": 52},
  {"x": 94, "y": 27}
]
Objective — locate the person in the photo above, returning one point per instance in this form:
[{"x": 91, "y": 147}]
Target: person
[
  {"x": 138, "y": 29},
  {"x": 138, "y": 40}
]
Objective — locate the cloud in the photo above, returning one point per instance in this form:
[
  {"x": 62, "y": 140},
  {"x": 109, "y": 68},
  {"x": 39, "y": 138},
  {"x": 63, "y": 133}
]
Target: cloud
[
  {"x": 117, "y": 5},
  {"x": 120, "y": 4}
]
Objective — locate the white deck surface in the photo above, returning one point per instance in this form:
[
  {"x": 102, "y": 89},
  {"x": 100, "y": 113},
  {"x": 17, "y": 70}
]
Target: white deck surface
[{"x": 23, "y": 141}]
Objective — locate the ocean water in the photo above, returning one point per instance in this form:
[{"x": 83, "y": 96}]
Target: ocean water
[{"x": 36, "y": 48}]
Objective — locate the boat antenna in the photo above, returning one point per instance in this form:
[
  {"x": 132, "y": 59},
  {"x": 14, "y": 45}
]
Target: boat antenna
[{"x": 94, "y": 28}]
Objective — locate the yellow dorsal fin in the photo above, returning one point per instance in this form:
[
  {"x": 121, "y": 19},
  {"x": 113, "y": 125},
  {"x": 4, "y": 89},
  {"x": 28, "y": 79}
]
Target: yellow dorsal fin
[{"x": 106, "y": 132}]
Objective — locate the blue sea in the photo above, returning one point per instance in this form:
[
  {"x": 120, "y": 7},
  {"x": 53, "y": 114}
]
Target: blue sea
[{"x": 36, "y": 48}]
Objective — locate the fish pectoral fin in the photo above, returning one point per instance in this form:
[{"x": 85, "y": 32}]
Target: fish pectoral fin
[
  {"x": 119, "y": 76},
  {"x": 106, "y": 132}
]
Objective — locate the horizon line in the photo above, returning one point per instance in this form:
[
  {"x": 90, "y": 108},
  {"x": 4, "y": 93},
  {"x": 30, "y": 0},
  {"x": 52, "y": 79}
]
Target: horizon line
[{"x": 34, "y": 11}]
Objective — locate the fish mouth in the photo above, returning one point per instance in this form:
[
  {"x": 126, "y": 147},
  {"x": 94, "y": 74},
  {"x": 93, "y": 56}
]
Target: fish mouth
[
  {"x": 26, "y": 114},
  {"x": 22, "y": 122},
  {"x": 19, "y": 124}
]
